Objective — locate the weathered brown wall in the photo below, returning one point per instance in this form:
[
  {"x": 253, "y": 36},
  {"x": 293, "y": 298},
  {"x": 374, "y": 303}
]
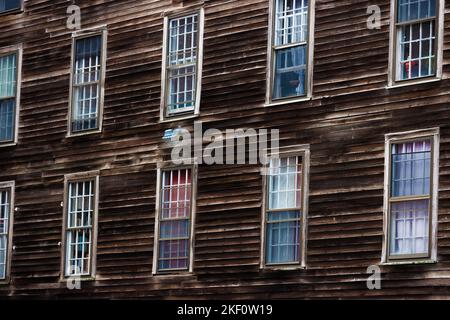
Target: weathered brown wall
[{"x": 345, "y": 124}]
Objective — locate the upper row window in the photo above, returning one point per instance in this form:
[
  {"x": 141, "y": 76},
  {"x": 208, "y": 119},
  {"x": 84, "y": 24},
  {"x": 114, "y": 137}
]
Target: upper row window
[
  {"x": 8, "y": 96},
  {"x": 181, "y": 79},
  {"x": 10, "y": 5},
  {"x": 416, "y": 39},
  {"x": 87, "y": 77},
  {"x": 290, "y": 49}
]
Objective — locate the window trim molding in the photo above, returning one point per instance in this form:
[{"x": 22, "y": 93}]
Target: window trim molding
[
  {"x": 18, "y": 50},
  {"x": 82, "y": 34},
  {"x": 78, "y": 177},
  {"x": 11, "y": 185},
  {"x": 299, "y": 151},
  {"x": 439, "y": 43},
  {"x": 166, "y": 166},
  {"x": 392, "y": 138},
  {"x": 269, "y": 101},
  {"x": 164, "y": 116}
]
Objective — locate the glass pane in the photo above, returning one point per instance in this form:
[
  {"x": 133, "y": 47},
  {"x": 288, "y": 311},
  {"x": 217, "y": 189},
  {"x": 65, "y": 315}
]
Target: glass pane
[
  {"x": 290, "y": 72},
  {"x": 173, "y": 254},
  {"x": 176, "y": 194},
  {"x": 409, "y": 10},
  {"x": 6, "y": 5},
  {"x": 3, "y": 255},
  {"x": 81, "y": 204},
  {"x": 182, "y": 89},
  {"x": 78, "y": 252},
  {"x": 86, "y": 107},
  {"x": 283, "y": 237},
  {"x": 4, "y": 212},
  {"x": 285, "y": 183},
  {"x": 291, "y": 24},
  {"x": 7, "y": 118},
  {"x": 411, "y": 168},
  {"x": 8, "y": 76},
  {"x": 409, "y": 227},
  {"x": 417, "y": 56},
  {"x": 174, "y": 229},
  {"x": 87, "y": 75}
]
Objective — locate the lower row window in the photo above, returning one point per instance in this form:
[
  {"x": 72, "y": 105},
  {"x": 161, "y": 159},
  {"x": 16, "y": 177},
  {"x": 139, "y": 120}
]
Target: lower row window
[
  {"x": 79, "y": 228},
  {"x": 175, "y": 212},
  {"x": 412, "y": 171},
  {"x": 284, "y": 212}
]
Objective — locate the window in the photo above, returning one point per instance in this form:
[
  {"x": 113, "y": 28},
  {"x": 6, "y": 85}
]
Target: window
[
  {"x": 10, "y": 5},
  {"x": 175, "y": 221},
  {"x": 8, "y": 96},
  {"x": 182, "y": 65},
  {"x": 87, "y": 83},
  {"x": 6, "y": 209},
  {"x": 80, "y": 226},
  {"x": 413, "y": 170},
  {"x": 416, "y": 29},
  {"x": 285, "y": 210},
  {"x": 291, "y": 49}
]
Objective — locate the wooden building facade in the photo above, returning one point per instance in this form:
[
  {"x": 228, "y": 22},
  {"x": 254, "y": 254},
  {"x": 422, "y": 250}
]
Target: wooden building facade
[{"x": 349, "y": 123}]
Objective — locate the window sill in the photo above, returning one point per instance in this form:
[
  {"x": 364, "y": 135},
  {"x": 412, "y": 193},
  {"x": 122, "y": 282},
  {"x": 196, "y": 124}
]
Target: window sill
[
  {"x": 168, "y": 274},
  {"x": 170, "y": 119},
  {"x": 408, "y": 83},
  {"x": 287, "y": 101},
  {"x": 78, "y": 278},
  {"x": 283, "y": 268},
  {"x": 408, "y": 262},
  {"x": 82, "y": 134},
  {"x": 5, "y": 282},
  {"x": 9, "y": 144},
  {"x": 11, "y": 12}
]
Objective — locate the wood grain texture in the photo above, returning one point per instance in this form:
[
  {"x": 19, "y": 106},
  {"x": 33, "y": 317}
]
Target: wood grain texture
[{"x": 344, "y": 123}]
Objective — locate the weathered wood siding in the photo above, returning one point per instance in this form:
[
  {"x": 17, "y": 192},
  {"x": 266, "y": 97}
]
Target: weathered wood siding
[{"x": 344, "y": 123}]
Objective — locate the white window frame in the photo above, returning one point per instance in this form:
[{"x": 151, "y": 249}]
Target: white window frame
[
  {"x": 18, "y": 50},
  {"x": 393, "y": 138},
  {"x": 393, "y": 51},
  {"x": 79, "y": 35},
  {"x": 74, "y": 178},
  {"x": 165, "y": 116},
  {"x": 270, "y": 74},
  {"x": 303, "y": 152},
  {"x": 194, "y": 176},
  {"x": 11, "y": 186}
]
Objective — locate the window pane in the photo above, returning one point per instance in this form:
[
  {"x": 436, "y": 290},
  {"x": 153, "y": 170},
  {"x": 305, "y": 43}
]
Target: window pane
[
  {"x": 285, "y": 183},
  {"x": 411, "y": 168},
  {"x": 176, "y": 194},
  {"x": 7, "y": 110},
  {"x": 283, "y": 237},
  {"x": 8, "y": 75},
  {"x": 174, "y": 229},
  {"x": 415, "y": 9},
  {"x": 417, "y": 55},
  {"x": 182, "y": 64},
  {"x": 87, "y": 76},
  {"x": 6, "y": 5},
  {"x": 4, "y": 230},
  {"x": 79, "y": 251},
  {"x": 291, "y": 24},
  {"x": 409, "y": 227},
  {"x": 173, "y": 254},
  {"x": 79, "y": 227},
  {"x": 290, "y": 72}
]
